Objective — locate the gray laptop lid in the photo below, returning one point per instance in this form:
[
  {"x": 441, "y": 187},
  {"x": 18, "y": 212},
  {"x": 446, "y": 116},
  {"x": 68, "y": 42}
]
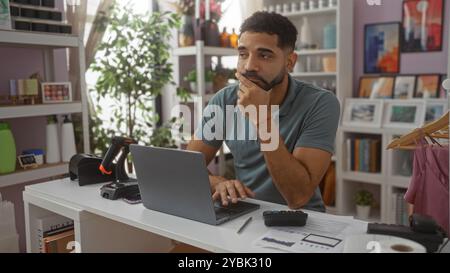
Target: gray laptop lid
[{"x": 174, "y": 182}]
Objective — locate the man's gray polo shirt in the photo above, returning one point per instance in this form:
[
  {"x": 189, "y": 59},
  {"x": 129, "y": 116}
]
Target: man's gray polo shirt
[{"x": 308, "y": 118}]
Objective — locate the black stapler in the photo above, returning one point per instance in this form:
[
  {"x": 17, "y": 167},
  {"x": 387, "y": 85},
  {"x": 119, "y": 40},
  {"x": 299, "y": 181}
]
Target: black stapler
[{"x": 85, "y": 169}]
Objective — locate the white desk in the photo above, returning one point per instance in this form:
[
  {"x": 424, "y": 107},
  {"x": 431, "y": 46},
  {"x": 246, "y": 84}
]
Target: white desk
[{"x": 114, "y": 226}]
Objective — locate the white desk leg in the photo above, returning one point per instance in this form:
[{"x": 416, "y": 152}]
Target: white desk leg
[{"x": 98, "y": 234}]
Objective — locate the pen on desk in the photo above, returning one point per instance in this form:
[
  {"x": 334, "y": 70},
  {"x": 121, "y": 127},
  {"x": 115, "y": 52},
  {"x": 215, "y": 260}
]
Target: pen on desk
[{"x": 245, "y": 225}]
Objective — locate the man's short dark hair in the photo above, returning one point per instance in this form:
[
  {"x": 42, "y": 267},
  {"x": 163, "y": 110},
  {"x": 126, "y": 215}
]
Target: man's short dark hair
[{"x": 273, "y": 24}]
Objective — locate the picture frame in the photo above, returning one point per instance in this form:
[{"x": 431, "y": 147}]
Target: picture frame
[
  {"x": 363, "y": 113},
  {"x": 56, "y": 92},
  {"x": 428, "y": 86},
  {"x": 435, "y": 109},
  {"x": 376, "y": 87},
  {"x": 27, "y": 161},
  {"x": 404, "y": 87},
  {"x": 5, "y": 17},
  {"x": 382, "y": 48},
  {"x": 416, "y": 15},
  {"x": 404, "y": 114}
]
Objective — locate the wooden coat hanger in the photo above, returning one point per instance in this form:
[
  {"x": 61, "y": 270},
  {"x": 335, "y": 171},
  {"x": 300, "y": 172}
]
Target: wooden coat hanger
[{"x": 437, "y": 129}]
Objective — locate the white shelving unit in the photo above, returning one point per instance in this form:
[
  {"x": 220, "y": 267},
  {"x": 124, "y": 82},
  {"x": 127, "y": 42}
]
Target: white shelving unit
[
  {"x": 201, "y": 99},
  {"x": 47, "y": 43},
  {"x": 342, "y": 16}
]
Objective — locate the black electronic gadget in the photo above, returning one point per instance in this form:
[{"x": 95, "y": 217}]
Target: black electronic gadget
[{"x": 285, "y": 218}]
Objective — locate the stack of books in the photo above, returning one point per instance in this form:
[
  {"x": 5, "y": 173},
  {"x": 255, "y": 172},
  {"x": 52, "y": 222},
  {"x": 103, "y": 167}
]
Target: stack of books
[
  {"x": 364, "y": 155},
  {"x": 400, "y": 209},
  {"x": 9, "y": 239},
  {"x": 54, "y": 234}
]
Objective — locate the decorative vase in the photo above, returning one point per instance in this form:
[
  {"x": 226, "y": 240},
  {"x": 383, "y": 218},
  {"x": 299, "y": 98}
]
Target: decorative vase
[
  {"x": 329, "y": 36},
  {"x": 305, "y": 35},
  {"x": 363, "y": 212},
  {"x": 186, "y": 35},
  {"x": 212, "y": 34}
]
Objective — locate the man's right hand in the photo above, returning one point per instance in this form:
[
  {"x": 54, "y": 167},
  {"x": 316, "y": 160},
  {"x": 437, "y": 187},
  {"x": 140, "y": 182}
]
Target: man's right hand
[{"x": 229, "y": 190}]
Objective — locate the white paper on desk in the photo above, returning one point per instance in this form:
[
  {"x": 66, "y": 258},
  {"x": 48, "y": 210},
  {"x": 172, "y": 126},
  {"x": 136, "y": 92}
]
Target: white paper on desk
[{"x": 320, "y": 235}]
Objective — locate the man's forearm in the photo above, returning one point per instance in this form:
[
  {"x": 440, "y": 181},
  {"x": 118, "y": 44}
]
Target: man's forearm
[{"x": 292, "y": 178}]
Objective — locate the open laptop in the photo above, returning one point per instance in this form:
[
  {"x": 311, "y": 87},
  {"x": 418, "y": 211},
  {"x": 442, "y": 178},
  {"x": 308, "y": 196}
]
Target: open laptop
[{"x": 177, "y": 183}]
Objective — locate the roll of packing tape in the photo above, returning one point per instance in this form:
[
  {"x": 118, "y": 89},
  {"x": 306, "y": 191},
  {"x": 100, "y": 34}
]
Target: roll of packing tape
[
  {"x": 446, "y": 84},
  {"x": 399, "y": 245},
  {"x": 369, "y": 243}
]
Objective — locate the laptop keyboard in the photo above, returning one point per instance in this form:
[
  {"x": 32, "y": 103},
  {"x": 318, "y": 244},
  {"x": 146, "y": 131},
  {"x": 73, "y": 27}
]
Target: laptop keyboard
[{"x": 224, "y": 211}]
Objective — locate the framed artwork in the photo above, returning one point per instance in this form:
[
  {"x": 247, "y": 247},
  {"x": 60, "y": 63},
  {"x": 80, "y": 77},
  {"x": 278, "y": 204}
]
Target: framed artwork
[
  {"x": 382, "y": 48},
  {"x": 422, "y": 25},
  {"x": 56, "y": 92},
  {"x": 404, "y": 87},
  {"x": 435, "y": 109},
  {"x": 428, "y": 86},
  {"x": 27, "y": 161},
  {"x": 363, "y": 113},
  {"x": 376, "y": 87},
  {"x": 404, "y": 113},
  {"x": 5, "y": 18}
]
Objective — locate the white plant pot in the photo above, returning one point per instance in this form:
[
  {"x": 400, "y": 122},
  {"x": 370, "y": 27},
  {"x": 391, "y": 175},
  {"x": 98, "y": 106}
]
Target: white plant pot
[
  {"x": 363, "y": 212},
  {"x": 208, "y": 87}
]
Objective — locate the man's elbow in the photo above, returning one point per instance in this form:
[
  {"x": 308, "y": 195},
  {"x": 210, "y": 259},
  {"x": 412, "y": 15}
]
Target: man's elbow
[{"x": 299, "y": 201}]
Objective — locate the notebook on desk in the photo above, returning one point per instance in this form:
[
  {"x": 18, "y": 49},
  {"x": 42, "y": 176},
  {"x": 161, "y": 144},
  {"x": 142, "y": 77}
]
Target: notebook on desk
[{"x": 177, "y": 183}]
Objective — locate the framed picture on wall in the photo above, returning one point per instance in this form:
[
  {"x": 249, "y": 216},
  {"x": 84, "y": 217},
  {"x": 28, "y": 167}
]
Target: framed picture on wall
[
  {"x": 5, "y": 18},
  {"x": 382, "y": 48},
  {"x": 376, "y": 87},
  {"x": 405, "y": 86},
  {"x": 404, "y": 113},
  {"x": 428, "y": 86},
  {"x": 422, "y": 25},
  {"x": 363, "y": 113},
  {"x": 435, "y": 109}
]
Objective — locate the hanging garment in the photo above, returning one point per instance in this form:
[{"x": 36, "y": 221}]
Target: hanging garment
[{"x": 429, "y": 187}]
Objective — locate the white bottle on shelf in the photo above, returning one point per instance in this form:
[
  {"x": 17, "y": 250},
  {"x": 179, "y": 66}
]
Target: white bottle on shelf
[
  {"x": 305, "y": 35},
  {"x": 68, "y": 147},
  {"x": 53, "y": 154}
]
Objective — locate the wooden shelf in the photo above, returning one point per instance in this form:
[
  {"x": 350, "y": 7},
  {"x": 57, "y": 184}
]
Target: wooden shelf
[
  {"x": 331, "y": 10},
  {"x": 12, "y": 4},
  {"x": 22, "y": 111},
  {"x": 316, "y": 52},
  {"x": 43, "y": 172},
  {"x": 372, "y": 178},
  {"x": 36, "y": 39},
  {"x": 314, "y": 74},
  {"x": 208, "y": 51},
  {"x": 399, "y": 181}
]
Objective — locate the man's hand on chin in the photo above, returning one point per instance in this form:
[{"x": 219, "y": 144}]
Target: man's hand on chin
[{"x": 251, "y": 94}]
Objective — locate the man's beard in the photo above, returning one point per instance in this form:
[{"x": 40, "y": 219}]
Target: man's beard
[{"x": 251, "y": 75}]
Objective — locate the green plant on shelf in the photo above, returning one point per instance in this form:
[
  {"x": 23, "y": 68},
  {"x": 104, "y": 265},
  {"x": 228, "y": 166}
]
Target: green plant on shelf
[
  {"x": 192, "y": 76},
  {"x": 364, "y": 198}
]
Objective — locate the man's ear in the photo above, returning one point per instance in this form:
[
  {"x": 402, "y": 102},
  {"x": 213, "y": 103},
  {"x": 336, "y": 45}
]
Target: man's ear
[{"x": 292, "y": 61}]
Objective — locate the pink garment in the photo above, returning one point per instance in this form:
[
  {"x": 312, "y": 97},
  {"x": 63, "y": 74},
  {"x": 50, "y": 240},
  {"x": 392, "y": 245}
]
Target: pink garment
[{"x": 428, "y": 190}]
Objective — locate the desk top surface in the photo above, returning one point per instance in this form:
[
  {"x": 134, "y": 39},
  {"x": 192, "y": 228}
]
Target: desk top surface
[{"x": 223, "y": 238}]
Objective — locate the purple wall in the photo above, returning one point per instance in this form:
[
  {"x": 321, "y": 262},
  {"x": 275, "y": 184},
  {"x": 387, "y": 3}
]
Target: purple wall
[{"x": 411, "y": 63}]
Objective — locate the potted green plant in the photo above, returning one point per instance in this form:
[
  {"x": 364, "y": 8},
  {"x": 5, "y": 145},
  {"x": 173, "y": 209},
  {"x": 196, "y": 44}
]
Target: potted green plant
[
  {"x": 364, "y": 201},
  {"x": 132, "y": 74},
  {"x": 191, "y": 77}
]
